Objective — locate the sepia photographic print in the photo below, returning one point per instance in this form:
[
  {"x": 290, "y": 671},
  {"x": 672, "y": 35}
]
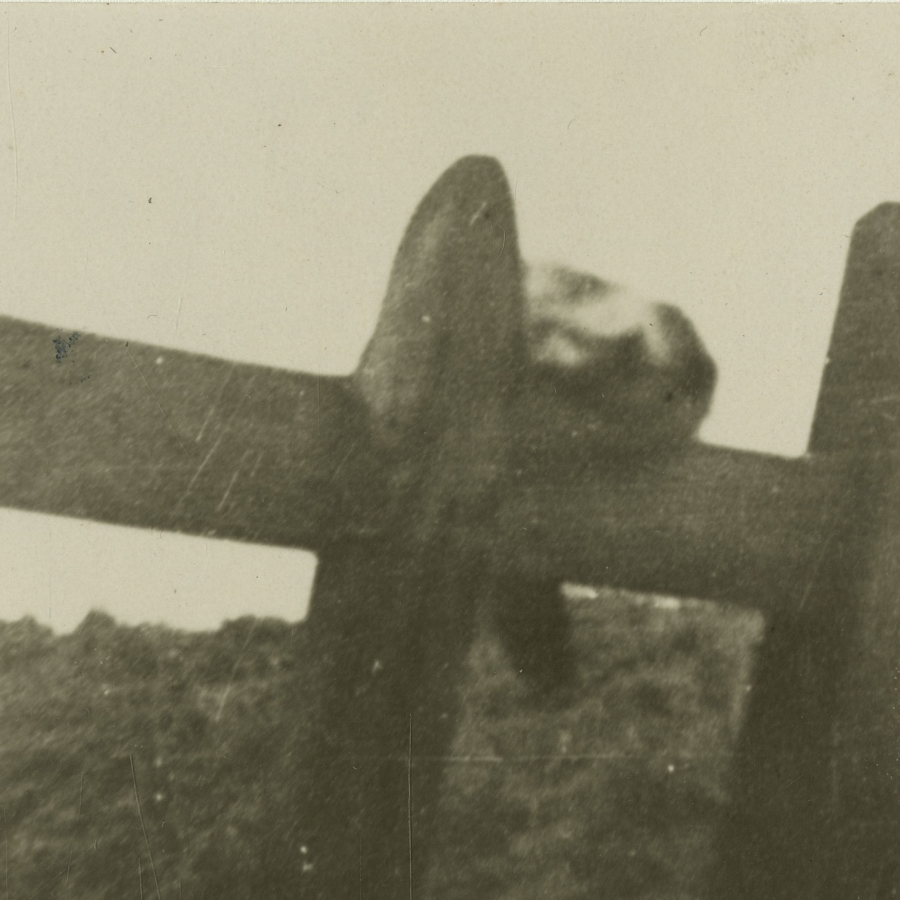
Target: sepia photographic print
[{"x": 450, "y": 451}]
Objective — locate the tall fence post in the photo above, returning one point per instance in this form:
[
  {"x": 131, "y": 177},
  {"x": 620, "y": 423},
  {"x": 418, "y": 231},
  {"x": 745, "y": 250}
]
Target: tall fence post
[
  {"x": 816, "y": 807},
  {"x": 394, "y": 618},
  {"x": 859, "y": 413}
]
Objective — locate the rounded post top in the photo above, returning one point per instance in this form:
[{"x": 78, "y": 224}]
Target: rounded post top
[{"x": 858, "y": 408}]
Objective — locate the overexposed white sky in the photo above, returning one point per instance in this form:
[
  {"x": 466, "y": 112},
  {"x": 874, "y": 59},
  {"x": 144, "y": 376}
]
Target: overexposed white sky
[{"x": 714, "y": 155}]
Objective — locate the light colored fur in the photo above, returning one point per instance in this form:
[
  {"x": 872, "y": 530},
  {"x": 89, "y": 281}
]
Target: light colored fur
[{"x": 626, "y": 371}]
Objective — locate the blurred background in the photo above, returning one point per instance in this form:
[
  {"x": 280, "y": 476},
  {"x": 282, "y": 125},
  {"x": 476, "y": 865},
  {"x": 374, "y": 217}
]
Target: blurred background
[{"x": 234, "y": 180}]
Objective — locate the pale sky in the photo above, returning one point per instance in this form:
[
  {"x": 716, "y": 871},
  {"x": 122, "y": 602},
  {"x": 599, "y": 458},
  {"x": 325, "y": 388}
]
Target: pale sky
[{"x": 715, "y": 156}]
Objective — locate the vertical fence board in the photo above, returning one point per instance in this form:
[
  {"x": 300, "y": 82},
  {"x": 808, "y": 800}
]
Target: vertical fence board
[
  {"x": 815, "y": 807},
  {"x": 859, "y": 409},
  {"x": 394, "y": 618}
]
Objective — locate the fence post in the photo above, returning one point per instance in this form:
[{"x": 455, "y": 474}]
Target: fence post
[
  {"x": 393, "y": 618},
  {"x": 859, "y": 413},
  {"x": 817, "y": 775}
]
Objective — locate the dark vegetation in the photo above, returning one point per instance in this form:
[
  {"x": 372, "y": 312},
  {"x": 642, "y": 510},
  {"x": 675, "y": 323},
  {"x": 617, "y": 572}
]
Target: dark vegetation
[{"x": 119, "y": 744}]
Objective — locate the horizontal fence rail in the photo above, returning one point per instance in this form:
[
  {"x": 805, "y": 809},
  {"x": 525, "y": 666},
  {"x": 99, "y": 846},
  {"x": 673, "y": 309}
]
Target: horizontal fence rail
[
  {"x": 156, "y": 438},
  {"x": 126, "y": 433},
  {"x": 707, "y": 523}
]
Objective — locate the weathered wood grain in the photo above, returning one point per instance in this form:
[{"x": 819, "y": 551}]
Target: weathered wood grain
[
  {"x": 155, "y": 438},
  {"x": 859, "y": 411},
  {"x": 709, "y": 522},
  {"x": 858, "y": 407},
  {"x": 121, "y": 432},
  {"x": 816, "y": 803},
  {"x": 394, "y": 618}
]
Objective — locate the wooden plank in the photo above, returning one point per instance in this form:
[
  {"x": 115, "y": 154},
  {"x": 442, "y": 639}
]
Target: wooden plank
[
  {"x": 859, "y": 409},
  {"x": 709, "y": 523},
  {"x": 207, "y": 446},
  {"x": 817, "y": 807},
  {"x": 394, "y": 619},
  {"x": 137, "y": 435},
  {"x": 211, "y": 447}
]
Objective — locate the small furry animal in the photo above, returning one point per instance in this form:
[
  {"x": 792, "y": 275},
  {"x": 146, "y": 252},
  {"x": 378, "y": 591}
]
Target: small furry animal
[
  {"x": 612, "y": 373},
  {"x": 628, "y": 373}
]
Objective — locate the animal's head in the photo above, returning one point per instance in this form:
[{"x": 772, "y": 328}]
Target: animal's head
[
  {"x": 636, "y": 368},
  {"x": 468, "y": 332}
]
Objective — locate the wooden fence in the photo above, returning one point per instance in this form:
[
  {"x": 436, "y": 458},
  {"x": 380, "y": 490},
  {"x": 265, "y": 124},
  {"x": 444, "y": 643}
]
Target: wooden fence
[{"x": 430, "y": 478}]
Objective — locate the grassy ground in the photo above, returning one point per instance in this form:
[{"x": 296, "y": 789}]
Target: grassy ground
[
  {"x": 146, "y": 762},
  {"x": 617, "y": 796}
]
